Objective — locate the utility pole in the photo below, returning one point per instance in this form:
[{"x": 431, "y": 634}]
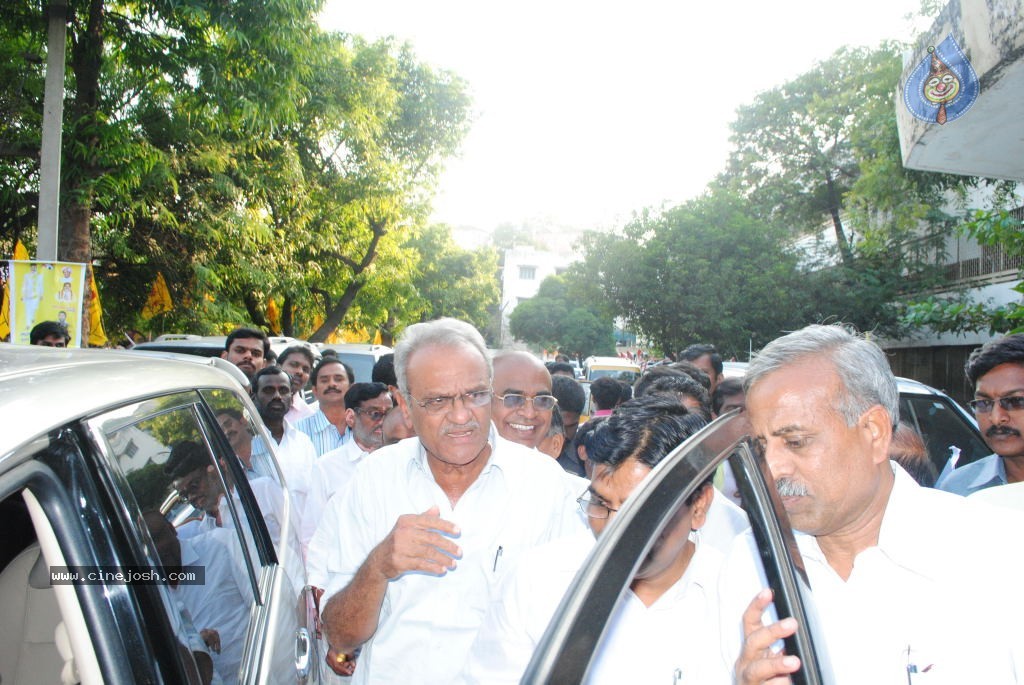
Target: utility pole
[{"x": 53, "y": 121}]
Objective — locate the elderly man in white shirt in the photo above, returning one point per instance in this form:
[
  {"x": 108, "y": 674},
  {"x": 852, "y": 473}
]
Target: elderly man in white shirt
[
  {"x": 911, "y": 585},
  {"x": 431, "y": 524},
  {"x": 663, "y": 630}
]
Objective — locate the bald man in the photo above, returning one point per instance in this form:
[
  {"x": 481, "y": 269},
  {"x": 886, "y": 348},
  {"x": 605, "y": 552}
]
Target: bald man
[{"x": 522, "y": 401}]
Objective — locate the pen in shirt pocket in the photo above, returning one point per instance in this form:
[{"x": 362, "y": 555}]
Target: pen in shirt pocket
[{"x": 497, "y": 556}]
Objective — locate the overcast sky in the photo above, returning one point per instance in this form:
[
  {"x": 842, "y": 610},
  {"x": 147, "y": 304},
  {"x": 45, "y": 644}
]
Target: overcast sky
[{"x": 588, "y": 111}]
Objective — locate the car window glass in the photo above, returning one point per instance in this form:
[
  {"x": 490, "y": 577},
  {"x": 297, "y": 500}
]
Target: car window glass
[
  {"x": 942, "y": 427},
  {"x": 195, "y": 522}
]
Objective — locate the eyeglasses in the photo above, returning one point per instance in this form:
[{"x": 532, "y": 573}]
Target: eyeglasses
[
  {"x": 374, "y": 415},
  {"x": 514, "y": 400},
  {"x": 594, "y": 508},
  {"x": 444, "y": 403},
  {"x": 1011, "y": 403}
]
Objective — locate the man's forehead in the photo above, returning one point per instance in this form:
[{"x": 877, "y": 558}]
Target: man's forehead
[
  {"x": 249, "y": 343},
  {"x": 332, "y": 369},
  {"x": 270, "y": 379},
  {"x": 518, "y": 373}
]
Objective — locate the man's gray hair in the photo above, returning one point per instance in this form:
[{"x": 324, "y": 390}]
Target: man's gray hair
[
  {"x": 863, "y": 370},
  {"x": 440, "y": 333}
]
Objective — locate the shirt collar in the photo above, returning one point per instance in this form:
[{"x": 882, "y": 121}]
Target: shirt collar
[
  {"x": 420, "y": 463},
  {"x": 988, "y": 471}
]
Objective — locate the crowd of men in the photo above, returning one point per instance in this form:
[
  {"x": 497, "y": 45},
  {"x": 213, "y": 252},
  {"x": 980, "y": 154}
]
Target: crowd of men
[{"x": 445, "y": 507}]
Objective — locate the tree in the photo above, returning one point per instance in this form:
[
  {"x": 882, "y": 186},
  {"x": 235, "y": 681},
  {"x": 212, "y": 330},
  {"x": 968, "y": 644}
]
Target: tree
[
  {"x": 560, "y": 317},
  {"x": 705, "y": 271}
]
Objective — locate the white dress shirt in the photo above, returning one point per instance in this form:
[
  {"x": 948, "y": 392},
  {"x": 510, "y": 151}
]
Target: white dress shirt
[
  {"x": 296, "y": 456},
  {"x": 222, "y": 602},
  {"x": 673, "y": 641},
  {"x": 332, "y": 473},
  {"x": 936, "y": 601},
  {"x": 427, "y": 623}
]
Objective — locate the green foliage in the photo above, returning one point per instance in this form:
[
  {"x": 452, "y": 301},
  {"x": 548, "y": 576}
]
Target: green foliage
[
  {"x": 706, "y": 271},
  {"x": 956, "y": 312},
  {"x": 237, "y": 149},
  {"x": 561, "y": 317}
]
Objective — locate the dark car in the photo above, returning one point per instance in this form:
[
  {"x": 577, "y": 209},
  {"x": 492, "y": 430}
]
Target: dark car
[{"x": 108, "y": 571}]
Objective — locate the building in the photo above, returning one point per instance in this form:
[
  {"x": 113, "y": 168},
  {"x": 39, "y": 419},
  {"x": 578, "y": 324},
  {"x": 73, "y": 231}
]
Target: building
[
  {"x": 981, "y": 134},
  {"x": 522, "y": 270}
]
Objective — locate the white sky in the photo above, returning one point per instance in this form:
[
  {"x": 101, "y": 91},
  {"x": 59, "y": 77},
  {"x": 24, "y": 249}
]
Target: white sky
[{"x": 588, "y": 111}]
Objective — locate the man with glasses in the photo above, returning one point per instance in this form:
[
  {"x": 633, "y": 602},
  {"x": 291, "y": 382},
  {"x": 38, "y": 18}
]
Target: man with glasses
[
  {"x": 522, "y": 401},
  {"x": 996, "y": 370},
  {"x": 430, "y": 525},
  {"x": 662, "y": 630}
]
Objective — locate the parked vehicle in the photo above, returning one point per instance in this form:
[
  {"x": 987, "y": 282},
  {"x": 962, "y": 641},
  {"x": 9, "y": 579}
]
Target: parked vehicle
[
  {"x": 204, "y": 345},
  {"x": 616, "y": 367},
  {"x": 361, "y": 357},
  {"x": 88, "y": 463}
]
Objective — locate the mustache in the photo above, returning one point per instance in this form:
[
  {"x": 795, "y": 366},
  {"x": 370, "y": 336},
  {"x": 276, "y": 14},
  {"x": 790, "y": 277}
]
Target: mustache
[
  {"x": 1001, "y": 430},
  {"x": 452, "y": 428},
  {"x": 787, "y": 487}
]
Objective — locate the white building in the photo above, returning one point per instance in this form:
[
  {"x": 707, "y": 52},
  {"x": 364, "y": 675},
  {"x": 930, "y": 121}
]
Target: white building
[{"x": 523, "y": 269}]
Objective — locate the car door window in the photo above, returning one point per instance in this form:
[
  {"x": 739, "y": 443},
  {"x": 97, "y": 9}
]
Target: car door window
[
  {"x": 188, "y": 501},
  {"x": 944, "y": 429}
]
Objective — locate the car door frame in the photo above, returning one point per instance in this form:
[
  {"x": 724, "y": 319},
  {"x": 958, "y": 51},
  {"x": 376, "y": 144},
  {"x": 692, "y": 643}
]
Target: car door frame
[{"x": 567, "y": 647}]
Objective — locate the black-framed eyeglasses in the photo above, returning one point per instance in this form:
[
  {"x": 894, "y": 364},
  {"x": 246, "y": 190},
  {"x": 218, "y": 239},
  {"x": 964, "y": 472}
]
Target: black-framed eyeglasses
[
  {"x": 444, "y": 403},
  {"x": 374, "y": 415},
  {"x": 514, "y": 400},
  {"x": 1011, "y": 403},
  {"x": 593, "y": 508}
]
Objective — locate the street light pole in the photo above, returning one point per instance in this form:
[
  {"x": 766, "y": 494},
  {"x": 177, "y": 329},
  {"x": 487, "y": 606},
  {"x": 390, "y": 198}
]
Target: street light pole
[{"x": 53, "y": 119}]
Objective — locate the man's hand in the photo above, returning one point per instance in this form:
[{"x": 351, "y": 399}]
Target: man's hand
[
  {"x": 341, "y": 663},
  {"x": 418, "y": 543},
  {"x": 212, "y": 638},
  {"x": 757, "y": 662}
]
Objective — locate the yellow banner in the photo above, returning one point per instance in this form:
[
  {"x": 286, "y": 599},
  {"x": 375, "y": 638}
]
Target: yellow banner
[{"x": 46, "y": 291}]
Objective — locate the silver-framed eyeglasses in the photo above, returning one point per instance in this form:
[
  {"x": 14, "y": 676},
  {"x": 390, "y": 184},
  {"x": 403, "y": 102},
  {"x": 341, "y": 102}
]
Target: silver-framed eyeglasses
[
  {"x": 444, "y": 403},
  {"x": 374, "y": 415},
  {"x": 514, "y": 400},
  {"x": 1011, "y": 403},
  {"x": 593, "y": 508}
]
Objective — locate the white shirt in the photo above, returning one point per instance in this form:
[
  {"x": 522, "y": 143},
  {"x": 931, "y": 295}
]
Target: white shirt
[
  {"x": 427, "y": 623},
  {"x": 943, "y": 582},
  {"x": 223, "y": 601},
  {"x": 724, "y": 522},
  {"x": 332, "y": 472},
  {"x": 672, "y": 641},
  {"x": 296, "y": 456}
]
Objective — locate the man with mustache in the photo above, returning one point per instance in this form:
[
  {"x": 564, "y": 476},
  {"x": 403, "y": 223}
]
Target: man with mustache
[
  {"x": 997, "y": 372},
  {"x": 429, "y": 526},
  {"x": 328, "y": 427},
  {"x": 910, "y": 584},
  {"x": 272, "y": 394}
]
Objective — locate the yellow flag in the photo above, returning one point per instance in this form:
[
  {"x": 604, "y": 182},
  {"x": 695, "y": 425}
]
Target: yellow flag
[
  {"x": 273, "y": 314},
  {"x": 94, "y": 312},
  {"x": 20, "y": 255},
  {"x": 159, "y": 300}
]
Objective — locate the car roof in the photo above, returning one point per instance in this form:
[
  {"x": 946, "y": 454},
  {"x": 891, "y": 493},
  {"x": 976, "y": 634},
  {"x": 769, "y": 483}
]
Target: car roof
[{"x": 42, "y": 388}]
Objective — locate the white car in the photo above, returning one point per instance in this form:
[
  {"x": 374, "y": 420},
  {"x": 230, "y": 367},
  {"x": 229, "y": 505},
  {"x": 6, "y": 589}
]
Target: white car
[{"x": 108, "y": 574}]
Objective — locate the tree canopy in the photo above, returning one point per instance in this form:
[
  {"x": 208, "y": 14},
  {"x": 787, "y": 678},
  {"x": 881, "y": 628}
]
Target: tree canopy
[{"x": 239, "y": 150}]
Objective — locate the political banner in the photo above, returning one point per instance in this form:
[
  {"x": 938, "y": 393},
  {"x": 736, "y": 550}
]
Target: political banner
[{"x": 46, "y": 291}]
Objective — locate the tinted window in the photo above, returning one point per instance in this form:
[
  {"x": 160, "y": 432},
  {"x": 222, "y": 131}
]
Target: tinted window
[{"x": 942, "y": 426}]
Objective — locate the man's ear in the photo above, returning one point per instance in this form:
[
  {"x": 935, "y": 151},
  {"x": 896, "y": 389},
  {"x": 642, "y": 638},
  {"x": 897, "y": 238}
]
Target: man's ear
[
  {"x": 403, "y": 404},
  {"x": 876, "y": 425},
  {"x": 224, "y": 354},
  {"x": 350, "y": 417},
  {"x": 700, "y": 508}
]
